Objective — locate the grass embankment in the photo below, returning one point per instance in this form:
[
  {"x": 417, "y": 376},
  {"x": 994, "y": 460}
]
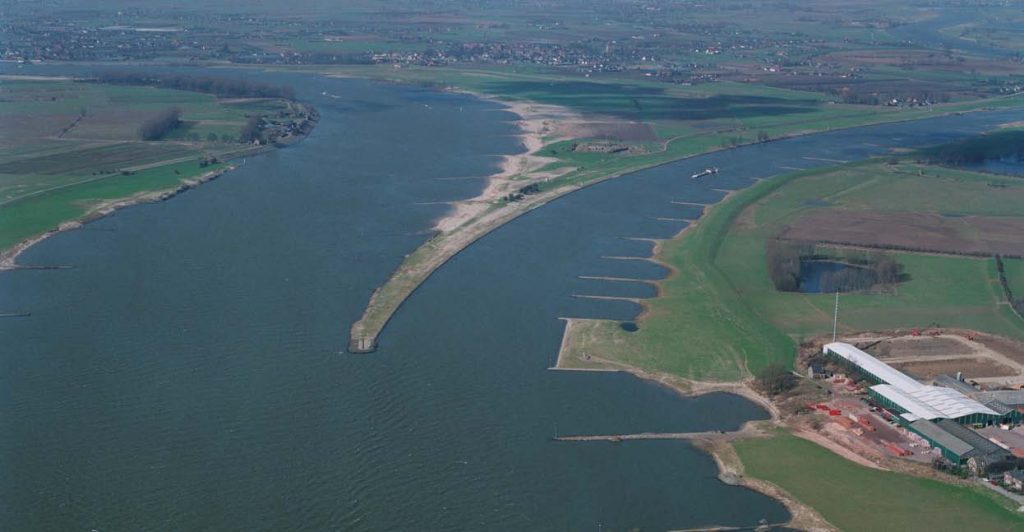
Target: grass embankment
[
  {"x": 854, "y": 497},
  {"x": 70, "y": 147},
  {"x": 719, "y": 317}
]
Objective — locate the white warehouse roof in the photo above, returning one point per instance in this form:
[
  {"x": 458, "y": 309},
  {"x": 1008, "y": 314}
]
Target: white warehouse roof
[
  {"x": 872, "y": 365},
  {"x": 933, "y": 402},
  {"x": 920, "y": 401}
]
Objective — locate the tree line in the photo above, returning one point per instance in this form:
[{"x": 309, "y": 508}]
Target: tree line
[
  {"x": 784, "y": 263},
  {"x": 998, "y": 145},
  {"x": 163, "y": 123},
  {"x": 1016, "y": 303},
  {"x": 225, "y": 87}
]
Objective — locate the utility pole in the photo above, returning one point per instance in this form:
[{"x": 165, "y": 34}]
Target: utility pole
[{"x": 835, "y": 319}]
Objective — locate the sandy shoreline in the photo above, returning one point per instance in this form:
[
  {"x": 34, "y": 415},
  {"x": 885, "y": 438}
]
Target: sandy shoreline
[{"x": 539, "y": 125}]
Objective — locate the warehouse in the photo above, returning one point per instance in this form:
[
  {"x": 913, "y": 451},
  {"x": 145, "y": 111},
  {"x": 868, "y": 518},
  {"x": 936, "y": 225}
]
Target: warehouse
[
  {"x": 936, "y": 413},
  {"x": 1005, "y": 402},
  {"x": 961, "y": 445},
  {"x": 910, "y": 399}
]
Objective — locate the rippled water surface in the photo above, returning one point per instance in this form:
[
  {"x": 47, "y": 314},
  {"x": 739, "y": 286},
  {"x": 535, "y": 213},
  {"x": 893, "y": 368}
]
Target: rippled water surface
[{"x": 187, "y": 373}]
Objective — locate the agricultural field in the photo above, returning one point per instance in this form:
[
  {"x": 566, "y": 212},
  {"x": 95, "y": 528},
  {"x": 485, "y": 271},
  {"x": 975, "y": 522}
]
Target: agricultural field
[
  {"x": 854, "y": 497},
  {"x": 941, "y": 233},
  {"x": 69, "y": 147},
  {"x": 725, "y": 256}
]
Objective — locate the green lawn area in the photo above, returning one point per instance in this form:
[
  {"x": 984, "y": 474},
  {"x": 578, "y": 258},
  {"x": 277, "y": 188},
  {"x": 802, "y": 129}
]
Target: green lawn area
[
  {"x": 854, "y": 497},
  {"x": 719, "y": 317}
]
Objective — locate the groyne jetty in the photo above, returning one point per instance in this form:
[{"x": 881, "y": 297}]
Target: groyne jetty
[{"x": 615, "y": 438}]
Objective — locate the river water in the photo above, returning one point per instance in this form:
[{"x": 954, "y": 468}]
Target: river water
[{"x": 188, "y": 371}]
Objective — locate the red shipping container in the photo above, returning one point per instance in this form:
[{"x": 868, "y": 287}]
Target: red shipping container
[{"x": 835, "y": 412}]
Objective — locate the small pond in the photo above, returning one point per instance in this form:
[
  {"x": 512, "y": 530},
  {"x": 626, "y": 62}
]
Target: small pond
[{"x": 817, "y": 276}]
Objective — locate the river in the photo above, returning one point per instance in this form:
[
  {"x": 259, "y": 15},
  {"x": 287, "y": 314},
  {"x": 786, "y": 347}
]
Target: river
[{"x": 189, "y": 371}]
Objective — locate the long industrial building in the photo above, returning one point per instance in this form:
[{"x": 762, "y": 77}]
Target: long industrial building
[
  {"x": 909, "y": 398},
  {"x": 936, "y": 413}
]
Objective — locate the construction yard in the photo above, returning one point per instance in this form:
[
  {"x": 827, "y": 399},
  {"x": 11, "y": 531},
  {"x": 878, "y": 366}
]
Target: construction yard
[{"x": 981, "y": 358}]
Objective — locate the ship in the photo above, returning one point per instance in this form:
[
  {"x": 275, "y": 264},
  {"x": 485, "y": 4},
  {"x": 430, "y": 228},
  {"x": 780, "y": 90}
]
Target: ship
[{"x": 706, "y": 172}]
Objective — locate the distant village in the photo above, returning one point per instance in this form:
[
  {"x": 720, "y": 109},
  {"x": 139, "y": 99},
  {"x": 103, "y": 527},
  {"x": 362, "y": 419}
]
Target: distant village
[{"x": 686, "y": 52}]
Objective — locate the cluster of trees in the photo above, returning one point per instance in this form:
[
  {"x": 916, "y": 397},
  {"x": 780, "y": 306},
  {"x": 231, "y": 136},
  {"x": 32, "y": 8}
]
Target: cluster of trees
[
  {"x": 163, "y": 123},
  {"x": 233, "y": 88},
  {"x": 865, "y": 269},
  {"x": 530, "y": 189},
  {"x": 251, "y": 129},
  {"x": 774, "y": 379},
  {"x": 998, "y": 145},
  {"x": 875, "y": 98},
  {"x": 784, "y": 264},
  {"x": 533, "y": 188},
  {"x": 851, "y": 279}
]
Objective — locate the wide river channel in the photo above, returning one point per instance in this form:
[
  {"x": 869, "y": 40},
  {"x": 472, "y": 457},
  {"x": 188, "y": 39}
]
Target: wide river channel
[{"x": 188, "y": 372}]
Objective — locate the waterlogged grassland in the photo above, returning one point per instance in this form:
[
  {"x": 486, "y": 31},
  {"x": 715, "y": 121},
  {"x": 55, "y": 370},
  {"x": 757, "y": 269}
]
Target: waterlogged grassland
[
  {"x": 854, "y": 497},
  {"x": 68, "y": 146},
  {"x": 719, "y": 317}
]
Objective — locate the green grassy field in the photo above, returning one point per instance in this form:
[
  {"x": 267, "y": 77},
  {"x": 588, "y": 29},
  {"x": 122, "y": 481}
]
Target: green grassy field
[
  {"x": 40, "y": 213},
  {"x": 853, "y": 497},
  {"x": 67, "y": 146},
  {"x": 719, "y": 317},
  {"x": 943, "y": 290}
]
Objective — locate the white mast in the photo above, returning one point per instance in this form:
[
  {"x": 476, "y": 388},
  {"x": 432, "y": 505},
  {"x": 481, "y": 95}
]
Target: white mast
[{"x": 835, "y": 318}]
